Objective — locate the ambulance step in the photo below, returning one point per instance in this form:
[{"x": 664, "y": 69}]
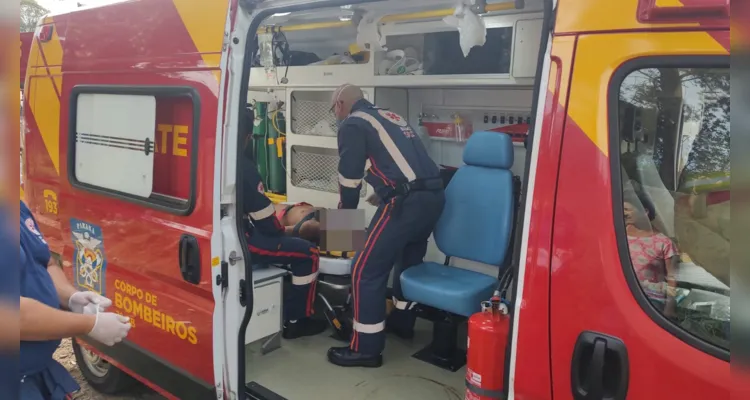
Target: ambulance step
[{"x": 256, "y": 391}]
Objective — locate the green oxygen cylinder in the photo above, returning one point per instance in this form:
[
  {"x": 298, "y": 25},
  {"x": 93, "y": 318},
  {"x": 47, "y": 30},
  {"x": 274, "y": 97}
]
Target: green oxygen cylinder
[
  {"x": 260, "y": 133},
  {"x": 276, "y": 152}
]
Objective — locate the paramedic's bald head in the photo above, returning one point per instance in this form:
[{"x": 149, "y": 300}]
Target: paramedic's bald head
[{"x": 344, "y": 98}]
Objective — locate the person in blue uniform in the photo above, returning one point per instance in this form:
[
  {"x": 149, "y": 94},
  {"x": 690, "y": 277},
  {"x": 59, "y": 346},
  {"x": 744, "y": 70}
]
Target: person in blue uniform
[
  {"x": 410, "y": 198},
  {"x": 269, "y": 243},
  {"x": 9, "y": 329},
  {"x": 52, "y": 309}
]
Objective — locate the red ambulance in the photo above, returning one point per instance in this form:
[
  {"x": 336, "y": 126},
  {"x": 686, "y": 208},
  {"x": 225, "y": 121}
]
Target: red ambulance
[{"x": 619, "y": 265}]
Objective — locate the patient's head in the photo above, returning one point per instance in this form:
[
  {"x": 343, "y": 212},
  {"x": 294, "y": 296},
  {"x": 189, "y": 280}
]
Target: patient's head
[{"x": 310, "y": 230}]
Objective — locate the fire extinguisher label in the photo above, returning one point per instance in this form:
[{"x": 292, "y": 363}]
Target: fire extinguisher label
[{"x": 475, "y": 378}]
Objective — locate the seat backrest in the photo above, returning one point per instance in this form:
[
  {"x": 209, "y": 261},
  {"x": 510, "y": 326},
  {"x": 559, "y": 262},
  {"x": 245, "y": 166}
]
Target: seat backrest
[{"x": 477, "y": 220}]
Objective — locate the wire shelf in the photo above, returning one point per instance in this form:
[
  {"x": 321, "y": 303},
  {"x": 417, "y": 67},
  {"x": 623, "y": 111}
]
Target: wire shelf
[
  {"x": 313, "y": 169},
  {"x": 313, "y": 117}
]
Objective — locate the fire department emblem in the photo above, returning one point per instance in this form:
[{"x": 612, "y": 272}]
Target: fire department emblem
[
  {"x": 89, "y": 261},
  {"x": 261, "y": 189},
  {"x": 393, "y": 117}
]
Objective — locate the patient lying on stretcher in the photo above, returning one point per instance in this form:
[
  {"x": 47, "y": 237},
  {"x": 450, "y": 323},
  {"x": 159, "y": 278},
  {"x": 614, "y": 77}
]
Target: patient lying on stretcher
[{"x": 299, "y": 220}]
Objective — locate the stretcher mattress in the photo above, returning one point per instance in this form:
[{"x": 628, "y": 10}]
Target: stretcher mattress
[
  {"x": 335, "y": 266},
  {"x": 329, "y": 265}
]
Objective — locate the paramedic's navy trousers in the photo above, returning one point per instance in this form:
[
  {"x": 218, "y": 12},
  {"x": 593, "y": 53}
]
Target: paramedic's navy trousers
[
  {"x": 398, "y": 233},
  {"x": 303, "y": 259}
]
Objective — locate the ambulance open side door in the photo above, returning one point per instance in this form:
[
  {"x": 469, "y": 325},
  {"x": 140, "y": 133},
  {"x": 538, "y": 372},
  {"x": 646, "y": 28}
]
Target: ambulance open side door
[
  {"x": 237, "y": 292},
  {"x": 226, "y": 265}
]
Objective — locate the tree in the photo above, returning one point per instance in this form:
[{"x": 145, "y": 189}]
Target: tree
[
  {"x": 31, "y": 12},
  {"x": 677, "y": 97}
]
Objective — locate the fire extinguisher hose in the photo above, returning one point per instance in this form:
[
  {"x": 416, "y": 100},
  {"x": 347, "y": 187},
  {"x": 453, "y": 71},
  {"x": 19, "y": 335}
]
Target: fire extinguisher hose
[{"x": 503, "y": 284}]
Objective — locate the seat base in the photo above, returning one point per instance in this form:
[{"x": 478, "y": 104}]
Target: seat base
[
  {"x": 453, "y": 363},
  {"x": 443, "y": 351}
]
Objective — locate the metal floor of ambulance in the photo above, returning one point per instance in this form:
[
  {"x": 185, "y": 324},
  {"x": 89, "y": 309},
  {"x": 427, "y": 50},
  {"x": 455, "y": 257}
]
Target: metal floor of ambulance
[{"x": 299, "y": 370}]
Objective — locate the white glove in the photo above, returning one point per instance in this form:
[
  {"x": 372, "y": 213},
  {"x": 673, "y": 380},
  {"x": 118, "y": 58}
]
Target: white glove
[
  {"x": 79, "y": 300},
  {"x": 110, "y": 328}
]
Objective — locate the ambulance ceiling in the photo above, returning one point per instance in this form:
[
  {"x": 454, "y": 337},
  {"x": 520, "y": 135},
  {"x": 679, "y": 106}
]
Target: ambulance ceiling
[{"x": 344, "y": 13}]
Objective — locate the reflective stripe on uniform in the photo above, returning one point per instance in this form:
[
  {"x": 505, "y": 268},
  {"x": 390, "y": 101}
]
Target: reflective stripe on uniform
[
  {"x": 304, "y": 280},
  {"x": 402, "y": 305},
  {"x": 350, "y": 183},
  {"x": 389, "y": 145},
  {"x": 264, "y": 213},
  {"x": 369, "y": 328}
]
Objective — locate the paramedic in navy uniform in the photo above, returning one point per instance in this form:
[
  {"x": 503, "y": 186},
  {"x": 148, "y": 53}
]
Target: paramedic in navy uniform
[
  {"x": 409, "y": 194},
  {"x": 52, "y": 309},
  {"x": 268, "y": 243}
]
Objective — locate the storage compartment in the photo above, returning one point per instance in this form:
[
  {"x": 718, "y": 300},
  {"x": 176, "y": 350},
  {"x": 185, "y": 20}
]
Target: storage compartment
[
  {"x": 311, "y": 113},
  {"x": 318, "y": 50},
  {"x": 439, "y": 53},
  {"x": 433, "y": 110},
  {"x": 267, "y": 304},
  {"x": 332, "y": 43},
  {"x": 316, "y": 168}
]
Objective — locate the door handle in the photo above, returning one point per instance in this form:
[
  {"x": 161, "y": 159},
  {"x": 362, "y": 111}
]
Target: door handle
[
  {"x": 599, "y": 369},
  {"x": 190, "y": 259}
]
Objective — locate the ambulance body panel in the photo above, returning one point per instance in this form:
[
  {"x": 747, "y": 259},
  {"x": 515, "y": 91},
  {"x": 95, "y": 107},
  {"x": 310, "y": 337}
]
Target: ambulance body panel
[{"x": 172, "y": 259}]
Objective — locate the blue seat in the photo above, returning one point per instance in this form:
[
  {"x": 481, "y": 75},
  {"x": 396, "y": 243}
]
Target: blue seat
[{"x": 476, "y": 224}]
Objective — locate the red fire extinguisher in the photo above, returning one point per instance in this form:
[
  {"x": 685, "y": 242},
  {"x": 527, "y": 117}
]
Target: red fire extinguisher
[{"x": 485, "y": 358}]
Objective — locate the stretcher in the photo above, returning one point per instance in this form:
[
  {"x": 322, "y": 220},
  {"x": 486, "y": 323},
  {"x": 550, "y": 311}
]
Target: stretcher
[{"x": 334, "y": 284}]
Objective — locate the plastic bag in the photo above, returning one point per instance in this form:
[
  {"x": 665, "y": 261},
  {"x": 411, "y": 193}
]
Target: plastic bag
[
  {"x": 471, "y": 29},
  {"x": 368, "y": 33},
  {"x": 265, "y": 49}
]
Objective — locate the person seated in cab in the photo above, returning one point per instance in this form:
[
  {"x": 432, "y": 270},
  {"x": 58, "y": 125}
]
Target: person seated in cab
[
  {"x": 268, "y": 243},
  {"x": 654, "y": 256}
]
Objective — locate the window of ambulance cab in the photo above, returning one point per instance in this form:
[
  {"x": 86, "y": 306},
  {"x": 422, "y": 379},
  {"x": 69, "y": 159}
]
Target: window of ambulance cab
[{"x": 671, "y": 124}]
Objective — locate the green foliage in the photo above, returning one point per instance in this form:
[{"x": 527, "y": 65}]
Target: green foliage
[{"x": 679, "y": 97}]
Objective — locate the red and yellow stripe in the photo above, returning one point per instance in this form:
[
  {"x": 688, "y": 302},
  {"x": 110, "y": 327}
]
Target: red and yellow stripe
[
  {"x": 43, "y": 88},
  {"x": 598, "y": 56}
]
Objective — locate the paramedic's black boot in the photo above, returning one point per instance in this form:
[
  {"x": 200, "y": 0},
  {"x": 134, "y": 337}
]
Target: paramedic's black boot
[
  {"x": 345, "y": 357},
  {"x": 401, "y": 323},
  {"x": 303, "y": 327}
]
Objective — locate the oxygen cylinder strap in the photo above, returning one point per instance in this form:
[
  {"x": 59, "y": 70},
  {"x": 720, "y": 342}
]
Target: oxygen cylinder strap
[{"x": 492, "y": 394}]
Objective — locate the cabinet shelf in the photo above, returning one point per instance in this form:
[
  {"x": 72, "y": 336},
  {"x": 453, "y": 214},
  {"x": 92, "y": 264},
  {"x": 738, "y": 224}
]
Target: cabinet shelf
[{"x": 327, "y": 76}]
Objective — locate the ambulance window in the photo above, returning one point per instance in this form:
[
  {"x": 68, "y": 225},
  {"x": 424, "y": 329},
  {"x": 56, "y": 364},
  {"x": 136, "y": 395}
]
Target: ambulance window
[
  {"x": 135, "y": 143},
  {"x": 673, "y": 128}
]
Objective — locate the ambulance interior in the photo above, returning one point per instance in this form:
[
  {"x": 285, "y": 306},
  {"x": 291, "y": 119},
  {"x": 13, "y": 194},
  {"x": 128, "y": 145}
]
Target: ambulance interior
[{"x": 407, "y": 57}]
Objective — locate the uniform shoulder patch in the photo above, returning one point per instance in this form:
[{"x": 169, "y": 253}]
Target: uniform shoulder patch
[
  {"x": 261, "y": 189},
  {"x": 393, "y": 117},
  {"x": 31, "y": 226}
]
